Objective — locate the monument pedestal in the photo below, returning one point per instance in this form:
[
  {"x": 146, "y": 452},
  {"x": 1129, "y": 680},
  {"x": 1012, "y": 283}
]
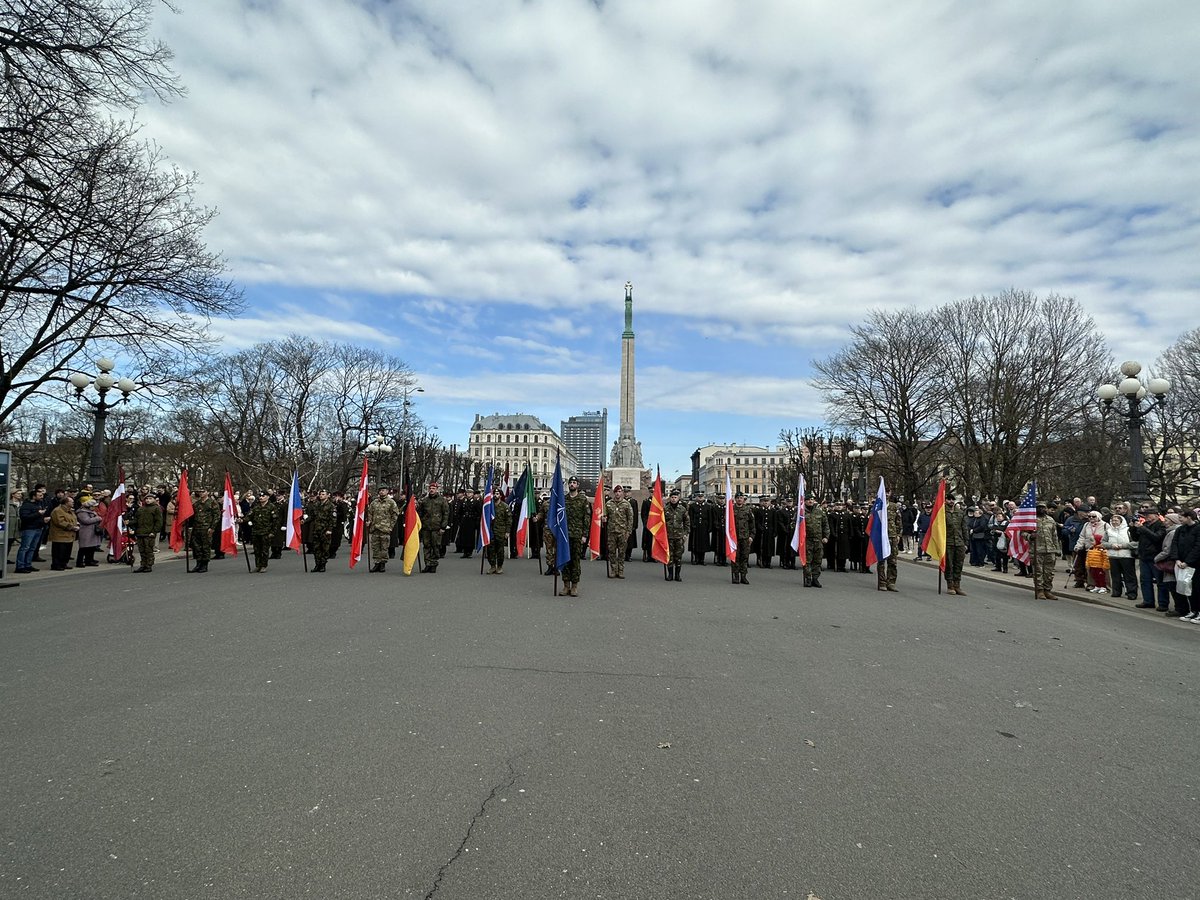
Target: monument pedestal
[{"x": 628, "y": 477}]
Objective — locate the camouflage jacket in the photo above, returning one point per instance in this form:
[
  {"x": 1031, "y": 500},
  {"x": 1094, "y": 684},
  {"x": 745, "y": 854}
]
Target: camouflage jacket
[
  {"x": 263, "y": 519},
  {"x": 206, "y": 515},
  {"x": 679, "y": 523},
  {"x": 816, "y": 524},
  {"x": 620, "y": 518},
  {"x": 579, "y": 515},
  {"x": 321, "y": 516},
  {"x": 434, "y": 512},
  {"x": 501, "y": 521},
  {"x": 382, "y": 515},
  {"x": 743, "y": 524}
]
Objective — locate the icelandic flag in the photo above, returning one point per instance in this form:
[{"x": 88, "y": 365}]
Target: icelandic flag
[
  {"x": 799, "y": 532},
  {"x": 730, "y": 525},
  {"x": 486, "y": 513},
  {"x": 879, "y": 546},
  {"x": 295, "y": 512},
  {"x": 556, "y": 517},
  {"x": 229, "y": 514}
]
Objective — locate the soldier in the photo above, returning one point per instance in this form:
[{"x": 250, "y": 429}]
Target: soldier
[
  {"x": 381, "y": 517},
  {"x": 547, "y": 534},
  {"x": 885, "y": 569},
  {"x": 262, "y": 521},
  {"x": 762, "y": 531},
  {"x": 816, "y": 535},
  {"x": 434, "y": 511},
  {"x": 743, "y": 523},
  {"x": 501, "y": 523},
  {"x": 1046, "y": 549},
  {"x": 147, "y": 523},
  {"x": 579, "y": 518},
  {"x": 321, "y": 518},
  {"x": 279, "y": 502},
  {"x": 633, "y": 527},
  {"x": 956, "y": 546},
  {"x": 787, "y": 520},
  {"x": 716, "y": 520},
  {"x": 618, "y": 516},
  {"x": 469, "y": 530},
  {"x": 647, "y": 537},
  {"x": 341, "y": 514},
  {"x": 205, "y": 519},
  {"x": 698, "y": 534},
  {"x": 679, "y": 525}
]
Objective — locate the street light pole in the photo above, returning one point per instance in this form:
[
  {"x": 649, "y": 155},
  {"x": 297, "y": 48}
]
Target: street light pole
[
  {"x": 408, "y": 389},
  {"x": 860, "y": 455},
  {"x": 1134, "y": 392},
  {"x": 103, "y": 383}
]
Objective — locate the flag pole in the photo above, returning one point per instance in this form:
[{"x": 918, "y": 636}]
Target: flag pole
[
  {"x": 187, "y": 543},
  {"x": 1034, "y": 562},
  {"x": 246, "y": 554},
  {"x": 304, "y": 553},
  {"x": 939, "y": 578}
]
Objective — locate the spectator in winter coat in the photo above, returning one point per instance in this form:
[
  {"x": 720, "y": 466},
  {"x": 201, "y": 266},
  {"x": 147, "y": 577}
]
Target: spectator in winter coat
[
  {"x": 1090, "y": 535},
  {"x": 1121, "y": 564},
  {"x": 1148, "y": 535}
]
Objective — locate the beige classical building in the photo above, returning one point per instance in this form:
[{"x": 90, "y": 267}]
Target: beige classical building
[
  {"x": 512, "y": 441},
  {"x": 751, "y": 468}
]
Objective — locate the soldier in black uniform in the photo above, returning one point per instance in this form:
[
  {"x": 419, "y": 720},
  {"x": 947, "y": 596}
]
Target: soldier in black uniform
[
  {"x": 469, "y": 529},
  {"x": 716, "y": 518}
]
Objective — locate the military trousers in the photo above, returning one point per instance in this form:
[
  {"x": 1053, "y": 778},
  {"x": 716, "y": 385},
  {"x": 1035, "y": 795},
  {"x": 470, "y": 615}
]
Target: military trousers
[
  {"x": 496, "y": 550},
  {"x": 551, "y": 547},
  {"x": 676, "y": 545},
  {"x": 201, "y": 543},
  {"x": 380, "y": 541},
  {"x": 431, "y": 543},
  {"x": 742, "y": 561},
  {"x": 955, "y": 556},
  {"x": 146, "y": 544},
  {"x": 262, "y": 550},
  {"x": 885, "y": 570},
  {"x": 814, "y": 554},
  {"x": 318, "y": 543},
  {"x": 1043, "y": 573},
  {"x": 616, "y": 553}
]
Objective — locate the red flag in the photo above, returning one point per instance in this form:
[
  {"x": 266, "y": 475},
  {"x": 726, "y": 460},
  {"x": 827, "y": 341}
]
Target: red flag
[
  {"x": 114, "y": 517},
  {"x": 360, "y": 513},
  {"x": 183, "y": 512},
  {"x": 597, "y": 514},
  {"x": 657, "y": 523},
  {"x": 229, "y": 514}
]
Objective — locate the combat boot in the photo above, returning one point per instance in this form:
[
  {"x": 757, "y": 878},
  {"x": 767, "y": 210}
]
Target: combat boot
[
  {"x": 958, "y": 589},
  {"x": 383, "y": 566},
  {"x": 574, "y": 588},
  {"x": 950, "y": 588},
  {"x": 200, "y": 569},
  {"x": 816, "y": 581},
  {"x": 678, "y": 574},
  {"x": 491, "y": 570},
  {"x": 807, "y": 580},
  {"x": 744, "y": 579}
]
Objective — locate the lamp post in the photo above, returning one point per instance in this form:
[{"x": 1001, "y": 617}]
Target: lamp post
[
  {"x": 859, "y": 457},
  {"x": 1134, "y": 392},
  {"x": 103, "y": 382},
  {"x": 376, "y": 448}
]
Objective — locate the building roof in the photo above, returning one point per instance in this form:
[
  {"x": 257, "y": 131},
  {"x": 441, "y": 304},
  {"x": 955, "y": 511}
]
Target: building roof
[{"x": 515, "y": 422}]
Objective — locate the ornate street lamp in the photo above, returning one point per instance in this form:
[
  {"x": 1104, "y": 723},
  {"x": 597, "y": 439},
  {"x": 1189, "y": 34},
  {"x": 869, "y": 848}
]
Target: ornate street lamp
[
  {"x": 1134, "y": 392},
  {"x": 103, "y": 383},
  {"x": 860, "y": 456}
]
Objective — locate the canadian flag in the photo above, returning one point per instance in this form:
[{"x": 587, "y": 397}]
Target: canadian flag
[{"x": 229, "y": 514}]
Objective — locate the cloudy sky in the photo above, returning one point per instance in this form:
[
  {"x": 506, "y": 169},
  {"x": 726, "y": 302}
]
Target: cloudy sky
[{"x": 469, "y": 185}]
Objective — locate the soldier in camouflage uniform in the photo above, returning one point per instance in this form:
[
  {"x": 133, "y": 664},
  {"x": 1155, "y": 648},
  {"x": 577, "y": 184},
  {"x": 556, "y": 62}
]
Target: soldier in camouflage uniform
[
  {"x": 743, "y": 526},
  {"x": 548, "y": 541},
  {"x": 618, "y": 516},
  {"x": 262, "y": 519},
  {"x": 279, "y": 502},
  {"x": 816, "y": 534},
  {"x": 501, "y": 523},
  {"x": 579, "y": 518},
  {"x": 679, "y": 525},
  {"x": 205, "y": 519},
  {"x": 885, "y": 569},
  {"x": 321, "y": 515},
  {"x": 956, "y": 546},
  {"x": 381, "y": 517},
  {"x": 434, "y": 511},
  {"x": 147, "y": 523},
  {"x": 1046, "y": 547}
]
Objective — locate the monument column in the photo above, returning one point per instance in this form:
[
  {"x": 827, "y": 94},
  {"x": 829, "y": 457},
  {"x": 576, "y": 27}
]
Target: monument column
[{"x": 626, "y": 456}]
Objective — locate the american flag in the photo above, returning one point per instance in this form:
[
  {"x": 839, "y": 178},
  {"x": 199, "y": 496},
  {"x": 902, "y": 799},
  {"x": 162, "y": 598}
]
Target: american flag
[
  {"x": 1024, "y": 517},
  {"x": 486, "y": 514}
]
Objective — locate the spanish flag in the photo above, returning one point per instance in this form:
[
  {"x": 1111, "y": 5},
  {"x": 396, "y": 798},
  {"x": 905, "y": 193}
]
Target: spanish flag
[
  {"x": 935, "y": 537},
  {"x": 412, "y": 534}
]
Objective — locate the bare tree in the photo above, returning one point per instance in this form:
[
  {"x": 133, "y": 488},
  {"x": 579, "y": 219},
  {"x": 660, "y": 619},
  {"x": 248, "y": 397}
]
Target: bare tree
[
  {"x": 889, "y": 382},
  {"x": 102, "y": 249},
  {"x": 1020, "y": 371}
]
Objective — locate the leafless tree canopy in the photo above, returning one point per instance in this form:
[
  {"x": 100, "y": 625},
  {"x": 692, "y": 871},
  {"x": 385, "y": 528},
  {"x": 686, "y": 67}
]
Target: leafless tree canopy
[{"x": 103, "y": 250}]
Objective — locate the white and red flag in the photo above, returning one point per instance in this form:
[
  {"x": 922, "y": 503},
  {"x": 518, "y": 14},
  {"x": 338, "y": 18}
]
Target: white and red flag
[
  {"x": 229, "y": 514},
  {"x": 799, "y": 532},
  {"x": 360, "y": 516},
  {"x": 730, "y": 527},
  {"x": 114, "y": 517}
]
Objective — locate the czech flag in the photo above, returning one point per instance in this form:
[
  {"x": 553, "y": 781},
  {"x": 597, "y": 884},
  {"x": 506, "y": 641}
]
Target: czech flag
[{"x": 295, "y": 513}]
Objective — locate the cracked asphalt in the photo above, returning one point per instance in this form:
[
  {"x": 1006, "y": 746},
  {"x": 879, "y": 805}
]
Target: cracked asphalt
[{"x": 463, "y": 736}]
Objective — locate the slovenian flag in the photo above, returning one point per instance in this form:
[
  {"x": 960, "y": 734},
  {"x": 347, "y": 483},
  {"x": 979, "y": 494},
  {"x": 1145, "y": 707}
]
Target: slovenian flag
[{"x": 879, "y": 545}]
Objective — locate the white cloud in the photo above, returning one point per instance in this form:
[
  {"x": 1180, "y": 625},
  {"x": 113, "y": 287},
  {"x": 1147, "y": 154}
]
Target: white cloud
[{"x": 764, "y": 171}]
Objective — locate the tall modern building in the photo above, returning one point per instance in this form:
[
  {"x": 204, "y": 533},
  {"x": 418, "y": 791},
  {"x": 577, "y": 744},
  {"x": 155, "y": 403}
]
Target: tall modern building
[{"x": 586, "y": 436}]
